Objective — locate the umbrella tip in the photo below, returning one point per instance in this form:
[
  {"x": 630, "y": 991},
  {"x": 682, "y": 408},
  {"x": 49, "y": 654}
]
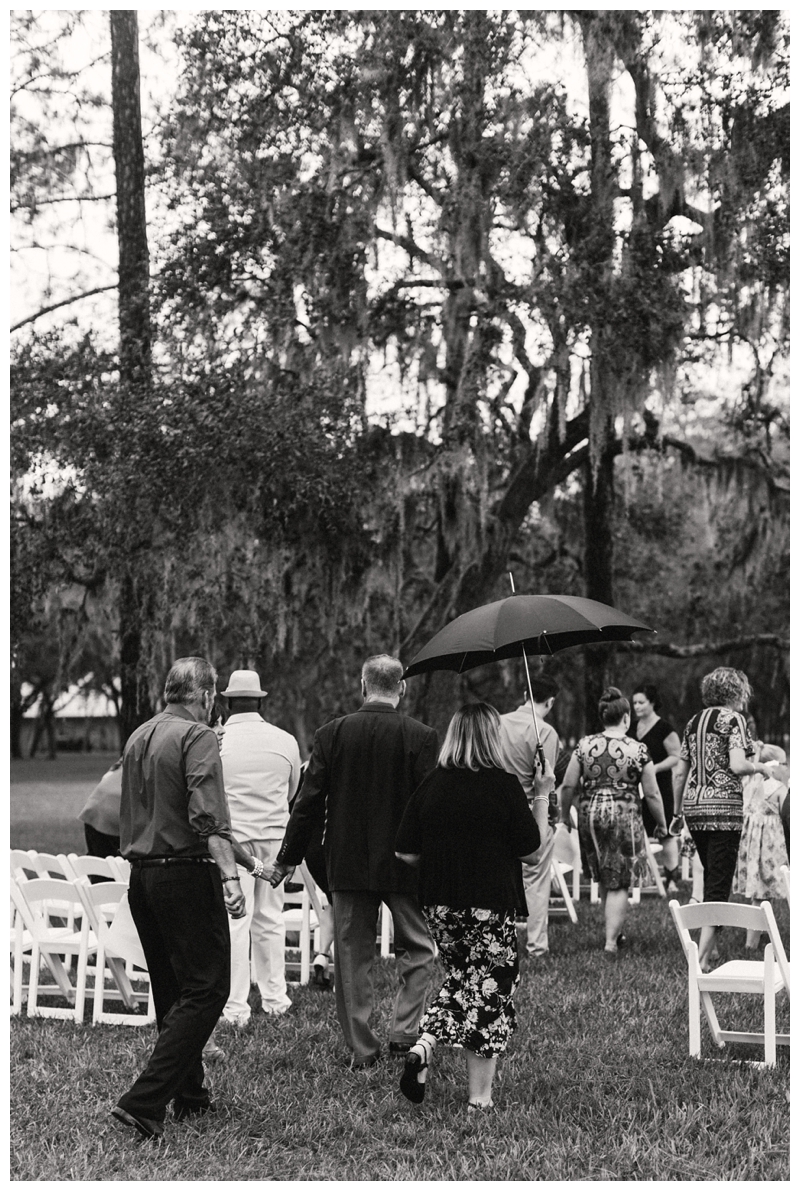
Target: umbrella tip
[{"x": 511, "y": 581}]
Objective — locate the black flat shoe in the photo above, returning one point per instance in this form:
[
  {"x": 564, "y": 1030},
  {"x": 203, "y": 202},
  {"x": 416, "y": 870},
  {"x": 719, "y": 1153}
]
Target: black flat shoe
[
  {"x": 151, "y": 1130},
  {"x": 410, "y": 1085}
]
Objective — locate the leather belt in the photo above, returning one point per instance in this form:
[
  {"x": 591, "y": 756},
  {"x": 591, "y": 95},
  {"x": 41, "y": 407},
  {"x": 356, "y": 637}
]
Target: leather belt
[{"x": 147, "y": 861}]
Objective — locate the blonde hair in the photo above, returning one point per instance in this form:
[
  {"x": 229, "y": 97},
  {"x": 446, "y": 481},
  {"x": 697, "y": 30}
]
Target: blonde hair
[
  {"x": 472, "y": 740},
  {"x": 726, "y": 687}
]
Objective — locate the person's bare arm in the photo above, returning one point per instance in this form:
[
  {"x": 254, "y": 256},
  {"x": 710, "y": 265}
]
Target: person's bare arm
[{"x": 222, "y": 852}]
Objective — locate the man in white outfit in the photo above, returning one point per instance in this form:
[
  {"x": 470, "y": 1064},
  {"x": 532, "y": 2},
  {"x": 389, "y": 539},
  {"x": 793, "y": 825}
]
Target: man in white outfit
[
  {"x": 518, "y": 738},
  {"x": 261, "y": 771}
]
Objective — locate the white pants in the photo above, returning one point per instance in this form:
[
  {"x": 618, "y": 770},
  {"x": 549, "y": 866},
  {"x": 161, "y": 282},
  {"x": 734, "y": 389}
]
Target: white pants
[
  {"x": 537, "y": 878},
  {"x": 261, "y": 936}
]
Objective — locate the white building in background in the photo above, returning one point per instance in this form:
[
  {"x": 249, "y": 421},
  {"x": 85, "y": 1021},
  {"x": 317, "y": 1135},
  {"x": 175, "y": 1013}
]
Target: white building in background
[{"x": 85, "y": 721}]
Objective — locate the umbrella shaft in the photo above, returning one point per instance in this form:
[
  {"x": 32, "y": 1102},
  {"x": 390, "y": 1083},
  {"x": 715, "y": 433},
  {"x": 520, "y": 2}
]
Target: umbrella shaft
[{"x": 533, "y": 709}]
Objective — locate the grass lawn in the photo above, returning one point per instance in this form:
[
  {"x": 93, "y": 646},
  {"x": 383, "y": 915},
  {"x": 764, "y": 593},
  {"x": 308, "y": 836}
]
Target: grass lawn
[
  {"x": 46, "y": 797},
  {"x": 596, "y": 1085}
]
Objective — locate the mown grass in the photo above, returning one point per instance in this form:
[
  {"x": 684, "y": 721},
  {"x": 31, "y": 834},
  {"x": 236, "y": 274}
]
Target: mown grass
[
  {"x": 596, "y": 1085},
  {"x": 46, "y": 797}
]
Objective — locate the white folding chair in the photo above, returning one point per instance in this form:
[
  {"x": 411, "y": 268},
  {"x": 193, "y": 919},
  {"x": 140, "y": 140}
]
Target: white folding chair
[
  {"x": 22, "y": 866},
  {"x": 762, "y": 978},
  {"x": 101, "y": 902},
  {"x": 301, "y": 914},
  {"x": 122, "y": 868},
  {"x": 91, "y": 866},
  {"x": 566, "y": 849},
  {"x": 47, "y": 864},
  {"x": 558, "y": 872},
  {"x": 34, "y": 901},
  {"x": 21, "y": 943},
  {"x": 787, "y": 883}
]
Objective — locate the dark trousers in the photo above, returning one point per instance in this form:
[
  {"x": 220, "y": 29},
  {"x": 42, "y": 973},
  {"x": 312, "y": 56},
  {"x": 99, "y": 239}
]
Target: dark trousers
[
  {"x": 179, "y": 912},
  {"x": 355, "y": 929},
  {"x": 100, "y": 844},
  {"x": 717, "y": 851}
]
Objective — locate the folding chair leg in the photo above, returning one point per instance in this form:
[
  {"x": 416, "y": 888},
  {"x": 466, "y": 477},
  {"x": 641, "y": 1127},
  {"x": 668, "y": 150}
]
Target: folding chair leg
[
  {"x": 80, "y": 987},
  {"x": 558, "y": 877},
  {"x": 117, "y": 968},
  {"x": 711, "y": 1014},
  {"x": 16, "y": 980},
  {"x": 770, "y": 1044},
  {"x": 651, "y": 860},
  {"x": 694, "y": 1020}
]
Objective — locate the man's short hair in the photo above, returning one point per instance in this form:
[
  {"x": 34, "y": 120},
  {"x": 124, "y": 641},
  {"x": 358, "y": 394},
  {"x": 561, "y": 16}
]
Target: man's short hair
[
  {"x": 543, "y": 688},
  {"x": 188, "y": 680},
  {"x": 382, "y": 674}
]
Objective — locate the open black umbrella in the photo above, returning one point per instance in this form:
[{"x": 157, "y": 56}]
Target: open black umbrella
[{"x": 519, "y": 626}]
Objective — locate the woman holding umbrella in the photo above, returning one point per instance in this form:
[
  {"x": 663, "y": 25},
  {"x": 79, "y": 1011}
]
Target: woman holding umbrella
[
  {"x": 609, "y": 766},
  {"x": 467, "y": 826}
]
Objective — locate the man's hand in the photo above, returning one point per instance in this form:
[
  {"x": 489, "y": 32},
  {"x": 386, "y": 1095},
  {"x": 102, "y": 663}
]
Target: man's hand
[
  {"x": 234, "y": 898},
  {"x": 279, "y": 873}
]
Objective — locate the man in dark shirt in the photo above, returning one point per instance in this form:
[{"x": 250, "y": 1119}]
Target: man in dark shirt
[
  {"x": 174, "y": 829},
  {"x": 362, "y": 772}
]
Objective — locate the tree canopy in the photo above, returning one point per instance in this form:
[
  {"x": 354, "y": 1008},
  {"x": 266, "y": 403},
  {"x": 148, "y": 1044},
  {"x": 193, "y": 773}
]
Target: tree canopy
[{"x": 436, "y": 294}]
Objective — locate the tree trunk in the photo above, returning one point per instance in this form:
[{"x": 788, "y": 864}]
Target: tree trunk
[
  {"x": 135, "y": 353},
  {"x": 134, "y": 259},
  {"x": 598, "y": 505},
  {"x": 599, "y": 472}
]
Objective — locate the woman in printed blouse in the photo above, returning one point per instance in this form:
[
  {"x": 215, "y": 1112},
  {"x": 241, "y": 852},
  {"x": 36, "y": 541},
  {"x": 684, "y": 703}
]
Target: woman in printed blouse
[
  {"x": 609, "y": 766},
  {"x": 467, "y": 826},
  {"x": 716, "y": 753}
]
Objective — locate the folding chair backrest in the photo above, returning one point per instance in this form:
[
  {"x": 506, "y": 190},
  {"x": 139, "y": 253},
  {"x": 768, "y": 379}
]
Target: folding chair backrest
[
  {"x": 22, "y": 866},
  {"x": 100, "y": 901},
  {"x": 91, "y": 866},
  {"x": 49, "y": 865},
  {"x": 777, "y": 942},
  {"x": 40, "y": 894},
  {"x": 122, "y": 867},
  {"x": 723, "y": 914}
]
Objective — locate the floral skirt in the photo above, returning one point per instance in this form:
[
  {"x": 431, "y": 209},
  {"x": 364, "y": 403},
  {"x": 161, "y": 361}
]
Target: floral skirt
[
  {"x": 611, "y": 835},
  {"x": 474, "y": 1006}
]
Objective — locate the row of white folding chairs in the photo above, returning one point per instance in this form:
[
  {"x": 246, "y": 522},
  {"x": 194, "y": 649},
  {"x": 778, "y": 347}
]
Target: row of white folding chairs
[
  {"x": 68, "y": 867},
  {"x": 58, "y": 920}
]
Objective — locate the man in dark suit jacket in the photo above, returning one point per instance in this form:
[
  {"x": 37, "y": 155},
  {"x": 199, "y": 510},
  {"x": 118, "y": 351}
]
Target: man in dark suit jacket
[{"x": 363, "y": 769}]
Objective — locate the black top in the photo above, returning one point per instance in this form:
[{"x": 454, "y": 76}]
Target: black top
[
  {"x": 361, "y": 774},
  {"x": 469, "y": 828},
  {"x": 654, "y": 739}
]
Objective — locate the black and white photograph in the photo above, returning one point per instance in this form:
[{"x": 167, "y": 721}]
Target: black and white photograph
[{"x": 398, "y": 593}]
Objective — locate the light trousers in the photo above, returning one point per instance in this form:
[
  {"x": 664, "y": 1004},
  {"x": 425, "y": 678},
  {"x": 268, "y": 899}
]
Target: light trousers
[
  {"x": 355, "y": 927},
  {"x": 258, "y": 941},
  {"x": 537, "y": 879}
]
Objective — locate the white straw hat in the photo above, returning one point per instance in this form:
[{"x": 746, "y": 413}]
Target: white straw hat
[{"x": 244, "y": 684}]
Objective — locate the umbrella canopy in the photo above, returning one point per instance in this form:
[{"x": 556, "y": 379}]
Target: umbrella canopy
[{"x": 521, "y": 625}]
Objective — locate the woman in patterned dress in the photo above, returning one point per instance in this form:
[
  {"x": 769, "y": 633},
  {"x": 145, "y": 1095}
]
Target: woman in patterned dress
[
  {"x": 467, "y": 827},
  {"x": 716, "y": 753},
  {"x": 609, "y": 766}
]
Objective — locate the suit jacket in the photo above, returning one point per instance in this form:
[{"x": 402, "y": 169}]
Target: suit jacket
[{"x": 364, "y": 768}]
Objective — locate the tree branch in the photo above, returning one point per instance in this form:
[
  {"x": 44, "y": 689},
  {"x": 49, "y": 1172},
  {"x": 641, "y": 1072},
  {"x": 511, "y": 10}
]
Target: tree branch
[
  {"x": 412, "y": 248},
  {"x": 70, "y": 198},
  {"x": 705, "y": 648},
  {"x": 101, "y": 289}
]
